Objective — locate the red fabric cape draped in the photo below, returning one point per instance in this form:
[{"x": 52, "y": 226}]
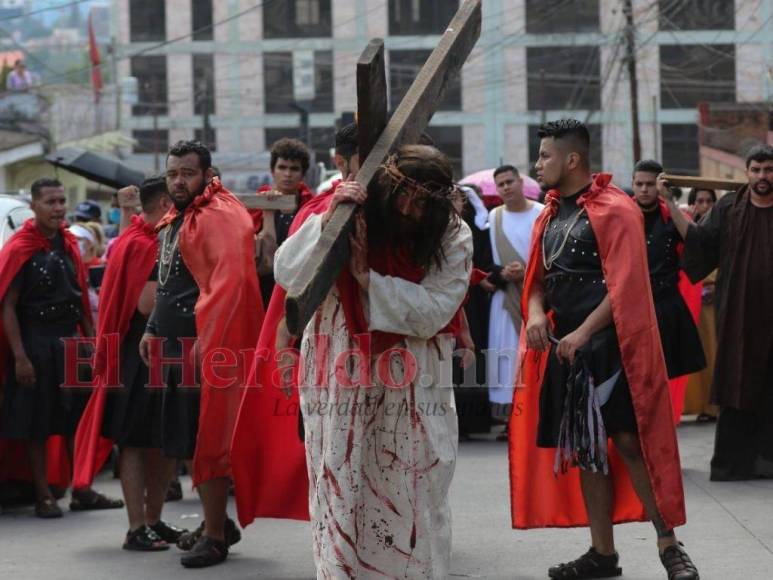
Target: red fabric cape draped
[
  {"x": 540, "y": 499},
  {"x": 131, "y": 262},
  {"x": 20, "y": 248},
  {"x": 269, "y": 459},
  {"x": 306, "y": 196},
  {"x": 217, "y": 244}
]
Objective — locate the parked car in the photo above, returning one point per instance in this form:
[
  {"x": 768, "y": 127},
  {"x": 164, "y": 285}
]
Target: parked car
[{"x": 14, "y": 211}]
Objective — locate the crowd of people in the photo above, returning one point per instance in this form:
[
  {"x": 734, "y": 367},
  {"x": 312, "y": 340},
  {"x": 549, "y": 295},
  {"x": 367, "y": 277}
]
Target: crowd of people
[{"x": 584, "y": 323}]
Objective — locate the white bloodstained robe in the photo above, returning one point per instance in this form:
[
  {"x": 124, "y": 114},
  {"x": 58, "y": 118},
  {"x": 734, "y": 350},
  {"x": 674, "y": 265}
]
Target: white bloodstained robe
[
  {"x": 502, "y": 355},
  {"x": 380, "y": 459}
]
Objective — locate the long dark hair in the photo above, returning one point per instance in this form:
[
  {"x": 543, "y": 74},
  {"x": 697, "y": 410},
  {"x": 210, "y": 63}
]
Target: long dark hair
[{"x": 429, "y": 167}]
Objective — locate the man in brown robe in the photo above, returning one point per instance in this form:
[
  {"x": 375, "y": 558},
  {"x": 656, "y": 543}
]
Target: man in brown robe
[{"x": 737, "y": 236}]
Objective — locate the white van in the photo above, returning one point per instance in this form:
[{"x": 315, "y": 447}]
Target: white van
[{"x": 14, "y": 211}]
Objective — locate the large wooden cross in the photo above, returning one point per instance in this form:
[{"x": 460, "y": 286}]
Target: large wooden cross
[{"x": 378, "y": 138}]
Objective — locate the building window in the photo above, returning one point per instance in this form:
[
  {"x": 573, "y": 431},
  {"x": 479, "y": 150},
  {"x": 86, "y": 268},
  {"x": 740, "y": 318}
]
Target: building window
[
  {"x": 550, "y": 16},
  {"x": 563, "y": 78},
  {"x": 679, "y": 146},
  {"x": 150, "y": 141},
  {"x": 696, "y": 15},
  {"x": 404, "y": 65},
  {"x": 206, "y": 137},
  {"x": 278, "y": 85},
  {"x": 449, "y": 140},
  {"x": 203, "y": 84},
  {"x": 322, "y": 140},
  {"x": 596, "y": 148},
  {"x": 150, "y": 72},
  {"x": 690, "y": 74},
  {"x": 297, "y": 19},
  {"x": 147, "y": 21},
  {"x": 201, "y": 22},
  {"x": 418, "y": 17}
]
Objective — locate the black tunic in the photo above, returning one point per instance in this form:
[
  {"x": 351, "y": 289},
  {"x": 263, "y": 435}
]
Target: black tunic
[
  {"x": 133, "y": 413},
  {"x": 678, "y": 334},
  {"x": 49, "y": 308},
  {"x": 574, "y": 288},
  {"x": 470, "y": 392},
  {"x": 173, "y": 318}
]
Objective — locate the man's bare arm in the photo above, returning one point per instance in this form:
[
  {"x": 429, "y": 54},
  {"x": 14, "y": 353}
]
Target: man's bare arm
[
  {"x": 680, "y": 221},
  {"x": 11, "y": 323}
]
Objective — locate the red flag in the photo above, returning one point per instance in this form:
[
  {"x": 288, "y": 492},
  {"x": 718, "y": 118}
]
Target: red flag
[{"x": 96, "y": 71}]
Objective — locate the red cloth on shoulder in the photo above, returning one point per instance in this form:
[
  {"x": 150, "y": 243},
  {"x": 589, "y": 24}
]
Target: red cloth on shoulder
[
  {"x": 217, "y": 244},
  {"x": 268, "y": 456},
  {"x": 131, "y": 262},
  {"x": 538, "y": 497},
  {"x": 20, "y": 248},
  {"x": 306, "y": 196}
]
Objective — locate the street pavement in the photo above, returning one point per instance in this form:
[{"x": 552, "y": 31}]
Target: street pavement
[{"x": 729, "y": 534}]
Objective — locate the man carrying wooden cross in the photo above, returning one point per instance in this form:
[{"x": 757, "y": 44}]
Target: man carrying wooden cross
[
  {"x": 380, "y": 431},
  {"x": 381, "y": 428}
]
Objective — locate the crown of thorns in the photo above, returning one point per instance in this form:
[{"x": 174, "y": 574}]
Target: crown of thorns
[{"x": 414, "y": 187}]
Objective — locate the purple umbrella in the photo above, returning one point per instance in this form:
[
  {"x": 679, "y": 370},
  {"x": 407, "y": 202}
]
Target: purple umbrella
[{"x": 485, "y": 180}]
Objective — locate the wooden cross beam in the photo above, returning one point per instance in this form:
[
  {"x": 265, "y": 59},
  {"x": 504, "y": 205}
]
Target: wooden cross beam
[
  {"x": 410, "y": 119},
  {"x": 704, "y": 182},
  {"x": 287, "y": 202}
]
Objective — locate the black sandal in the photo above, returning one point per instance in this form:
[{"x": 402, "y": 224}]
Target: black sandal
[
  {"x": 189, "y": 539},
  {"x": 590, "y": 565},
  {"x": 206, "y": 552},
  {"x": 88, "y": 499},
  {"x": 143, "y": 539},
  {"x": 678, "y": 564},
  {"x": 47, "y": 509},
  {"x": 167, "y": 532}
]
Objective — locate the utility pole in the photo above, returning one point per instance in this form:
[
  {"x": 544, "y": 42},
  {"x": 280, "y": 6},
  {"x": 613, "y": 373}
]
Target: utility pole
[
  {"x": 116, "y": 83},
  {"x": 154, "y": 107},
  {"x": 542, "y": 95},
  {"x": 630, "y": 37},
  {"x": 205, "y": 120}
]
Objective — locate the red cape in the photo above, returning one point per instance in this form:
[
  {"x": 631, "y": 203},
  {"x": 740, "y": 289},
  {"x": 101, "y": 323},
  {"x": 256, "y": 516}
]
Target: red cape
[
  {"x": 217, "y": 244},
  {"x": 269, "y": 458},
  {"x": 304, "y": 192},
  {"x": 20, "y": 248},
  {"x": 691, "y": 294},
  {"x": 538, "y": 497},
  {"x": 131, "y": 262}
]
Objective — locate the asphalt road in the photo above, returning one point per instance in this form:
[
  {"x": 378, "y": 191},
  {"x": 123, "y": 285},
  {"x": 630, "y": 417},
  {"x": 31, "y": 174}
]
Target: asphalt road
[{"x": 729, "y": 534}]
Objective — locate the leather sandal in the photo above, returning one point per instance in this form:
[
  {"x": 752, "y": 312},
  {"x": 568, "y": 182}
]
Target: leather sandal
[
  {"x": 590, "y": 565},
  {"x": 189, "y": 539},
  {"x": 167, "y": 532},
  {"x": 678, "y": 564},
  {"x": 47, "y": 509},
  {"x": 206, "y": 552},
  {"x": 143, "y": 539}
]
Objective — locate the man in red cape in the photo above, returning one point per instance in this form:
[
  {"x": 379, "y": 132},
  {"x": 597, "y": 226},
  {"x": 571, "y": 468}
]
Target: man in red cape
[
  {"x": 588, "y": 284},
  {"x": 41, "y": 264},
  {"x": 269, "y": 460},
  {"x": 677, "y": 302},
  {"x": 208, "y": 310},
  {"x": 289, "y": 162},
  {"x": 122, "y": 408}
]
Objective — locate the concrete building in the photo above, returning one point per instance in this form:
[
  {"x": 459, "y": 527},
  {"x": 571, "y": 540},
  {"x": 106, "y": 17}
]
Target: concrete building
[{"x": 240, "y": 65}]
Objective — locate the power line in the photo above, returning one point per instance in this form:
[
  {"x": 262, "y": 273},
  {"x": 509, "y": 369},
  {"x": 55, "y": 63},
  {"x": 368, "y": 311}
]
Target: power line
[{"x": 41, "y": 10}]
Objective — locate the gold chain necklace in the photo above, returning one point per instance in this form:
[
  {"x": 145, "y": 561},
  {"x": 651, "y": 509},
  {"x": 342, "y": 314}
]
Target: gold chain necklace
[{"x": 547, "y": 261}]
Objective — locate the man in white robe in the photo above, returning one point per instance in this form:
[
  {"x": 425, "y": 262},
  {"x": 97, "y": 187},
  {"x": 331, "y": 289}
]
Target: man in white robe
[
  {"x": 510, "y": 228},
  {"x": 381, "y": 450}
]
